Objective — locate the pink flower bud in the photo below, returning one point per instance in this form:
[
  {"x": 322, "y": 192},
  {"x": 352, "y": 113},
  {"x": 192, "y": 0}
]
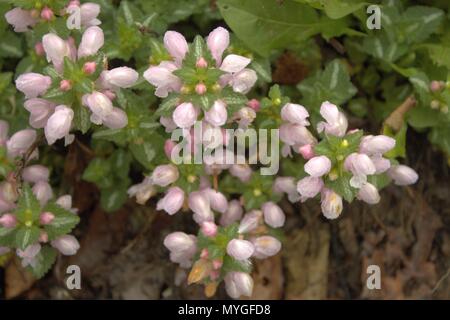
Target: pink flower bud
[
  {"x": 217, "y": 41},
  {"x": 402, "y": 175},
  {"x": 20, "y": 19},
  {"x": 318, "y": 166},
  {"x": 240, "y": 249},
  {"x": 172, "y": 201},
  {"x": 168, "y": 147},
  {"x": 89, "y": 67},
  {"x": 217, "y": 200},
  {"x": 47, "y": 14},
  {"x": 100, "y": 106},
  {"x": 35, "y": 173},
  {"x": 122, "y": 77},
  {"x": 233, "y": 213},
  {"x": 39, "y": 49},
  {"x": 331, "y": 204},
  {"x": 241, "y": 171},
  {"x": 33, "y": 84},
  {"x": 359, "y": 164},
  {"x": 65, "y": 85},
  {"x": 307, "y": 151},
  {"x": 295, "y": 113},
  {"x": 176, "y": 44},
  {"x": 266, "y": 246},
  {"x": 110, "y": 94},
  {"x": 199, "y": 204},
  {"x": 381, "y": 164},
  {"x": 309, "y": 187},
  {"x": 46, "y": 218},
  {"x": 294, "y": 134},
  {"x": 238, "y": 284},
  {"x": 200, "y": 88},
  {"x": 204, "y": 253},
  {"x": 117, "y": 119},
  {"x": 376, "y": 145},
  {"x": 43, "y": 192},
  {"x": 89, "y": 12},
  {"x": 168, "y": 123},
  {"x": 68, "y": 245},
  {"x": 250, "y": 221},
  {"x": 91, "y": 41},
  {"x": 163, "y": 175},
  {"x": 369, "y": 194},
  {"x": 286, "y": 185},
  {"x": 436, "y": 86},
  {"x": 162, "y": 78},
  {"x": 273, "y": 215},
  {"x": 29, "y": 254},
  {"x": 254, "y": 104},
  {"x": 8, "y": 220},
  {"x": 209, "y": 229},
  {"x": 336, "y": 122},
  {"x": 179, "y": 242},
  {"x": 20, "y": 142},
  {"x": 59, "y": 123},
  {"x": 234, "y": 63},
  {"x": 201, "y": 63},
  {"x": 217, "y": 264},
  {"x": 243, "y": 81},
  {"x": 56, "y": 49},
  {"x": 184, "y": 115},
  {"x": 217, "y": 115}
]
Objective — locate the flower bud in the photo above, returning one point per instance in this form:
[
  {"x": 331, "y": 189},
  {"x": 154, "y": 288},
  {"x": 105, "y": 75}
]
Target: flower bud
[
  {"x": 294, "y": 134},
  {"x": 39, "y": 49},
  {"x": 199, "y": 204},
  {"x": 33, "y": 84},
  {"x": 168, "y": 147},
  {"x": 163, "y": 175},
  {"x": 359, "y": 164},
  {"x": 250, "y": 221},
  {"x": 201, "y": 63},
  {"x": 65, "y": 202},
  {"x": 176, "y": 45},
  {"x": 8, "y": 220},
  {"x": 238, "y": 284},
  {"x": 88, "y": 14},
  {"x": 243, "y": 81},
  {"x": 254, "y": 104},
  {"x": 20, "y": 142},
  {"x": 295, "y": 113},
  {"x": 43, "y": 192},
  {"x": 20, "y": 19},
  {"x": 68, "y": 245},
  {"x": 436, "y": 86},
  {"x": 336, "y": 122},
  {"x": 217, "y": 264},
  {"x": 35, "y": 173},
  {"x": 369, "y": 194},
  {"x": 209, "y": 229},
  {"x": 241, "y": 171},
  {"x": 266, "y": 246},
  {"x": 29, "y": 254},
  {"x": 309, "y": 187},
  {"x": 59, "y": 124},
  {"x": 46, "y": 218},
  {"x": 234, "y": 213},
  {"x": 376, "y": 145},
  {"x": 331, "y": 204},
  {"x": 381, "y": 164},
  {"x": 217, "y": 114},
  {"x": 234, "y": 63},
  {"x": 179, "y": 242},
  {"x": 56, "y": 49},
  {"x": 402, "y": 175},
  {"x": 172, "y": 201},
  {"x": 217, "y": 41},
  {"x": 217, "y": 200},
  {"x": 117, "y": 119},
  {"x": 318, "y": 166},
  {"x": 100, "y": 106},
  {"x": 200, "y": 89},
  {"x": 184, "y": 115},
  {"x": 122, "y": 77},
  {"x": 163, "y": 79},
  {"x": 65, "y": 85},
  {"x": 240, "y": 249},
  {"x": 47, "y": 14},
  {"x": 89, "y": 67},
  {"x": 40, "y": 110},
  {"x": 273, "y": 215},
  {"x": 91, "y": 41}
]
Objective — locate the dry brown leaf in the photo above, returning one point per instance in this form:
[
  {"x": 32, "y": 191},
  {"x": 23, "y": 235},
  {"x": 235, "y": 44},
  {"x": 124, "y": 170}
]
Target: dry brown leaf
[{"x": 17, "y": 279}]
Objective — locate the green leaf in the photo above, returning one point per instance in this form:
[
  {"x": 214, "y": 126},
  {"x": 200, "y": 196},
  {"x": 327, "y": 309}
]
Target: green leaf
[
  {"x": 230, "y": 264},
  {"x": 82, "y": 120},
  {"x": 8, "y": 237},
  {"x": 120, "y": 163},
  {"x": 342, "y": 187},
  {"x": 62, "y": 224},
  {"x": 97, "y": 170},
  {"x": 113, "y": 199},
  {"x": 26, "y": 236},
  {"x": 44, "y": 261},
  {"x": 28, "y": 208},
  {"x": 144, "y": 153},
  {"x": 11, "y": 46},
  {"x": 400, "y": 142},
  {"x": 118, "y": 136},
  {"x": 167, "y": 105}
]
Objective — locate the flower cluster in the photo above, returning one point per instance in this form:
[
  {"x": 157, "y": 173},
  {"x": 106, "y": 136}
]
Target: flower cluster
[
  {"x": 79, "y": 80},
  {"x": 29, "y": 219}
]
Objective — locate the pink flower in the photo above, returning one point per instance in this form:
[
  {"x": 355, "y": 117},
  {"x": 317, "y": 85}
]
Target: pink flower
[
  {"x": 200, "y": 88},
  {"x": 172, "y": 201},
  {"x": 100, "y": 106},
  {"x": 254, "y": 104},
  {"x": 162, "y": 78},
  {"x": 309, "y": 187},
  {"x": 43, "y": 192},
  {"x": 56, "y": 49},
  {"x": 250, "y": 221},
  {"x": 209, "y": 229},
  {"x": 273, "y": 215},
  {"x": 200, "y": 205},
  {"x": 176, "y": 45},
  {"x": 20, "y": 19},
  {"x": 307, "y": 151},
  {"x": 234, "y": 213},
  {"x": 59, "y": 124},
  {"x": 8, "y": 220},
  {"x": 318, "y": 166},
  {"x": 336, "y": 122},
  {"x": 68, "y": 245},
  {"x": 369, "y": 194},
  {"x": 35, "y": 173},
  {"x": 295, "y": 113},
  {"x": 217, "y": 41},
  {"x": 33, "y": 84},
  {"x": 359, "y": 164},
  {"x": 217, "y": 114},
  {"x": 142, "y": 191},
  {"x": 117, "y": 119},
  {"x": 238, "y": 284},
  {"x": 91, "y": 41},
  {"x": 243, "y": 80},
  {"x": 331, "y": 204},
  {"x": 294, "y": 134},
  {"x": 122, "y": 77},
  {"x": 46, "y": 218},
  {"x": 182, "y": 247},
  {"x": 240, "y": 249},
  {"x": 40, "y": 110},
  {"x": 266, "y": 246},
  {"x": 20, "y": 142},
  {"x": 184, "y": 115},
  {"x": 47, "y": 14},
  {"x": 89, "y": 12},
  {"x": 217, "y": 200},
  {"x": 29, "y": 254},
  {"x": 376, "y": 145},
  {"x": 403, "y": 175},
  {"x": 286, "y": 185},
  {"x": 241, "y": 171},
  {"x": 234, "y": 63},
  {"x": 163, "y": 175}
]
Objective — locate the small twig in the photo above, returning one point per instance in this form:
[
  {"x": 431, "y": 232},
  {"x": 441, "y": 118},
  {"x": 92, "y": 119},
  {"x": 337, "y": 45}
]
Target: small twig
[
  {"x": 337, "y": 46},
  {"x": 396, "y": 118},
  {"x": 440, "y": 281}
]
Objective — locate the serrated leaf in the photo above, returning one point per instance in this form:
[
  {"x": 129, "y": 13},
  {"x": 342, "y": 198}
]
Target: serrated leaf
[
  {"x": 81, "y": 119},
  {"x": 118, "y": 136},
  {"x": 8, "y": 237},
  {"x": 44, "y": 261},
  {"x": 62, "y": 224},
  {"x": 113, "y": 199},
  {"x": 28, "y": 207},
  {"x": 144, "y": 153},
  {"x": 26, "y": 236},
  {"x": 167, "y": 105}
]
